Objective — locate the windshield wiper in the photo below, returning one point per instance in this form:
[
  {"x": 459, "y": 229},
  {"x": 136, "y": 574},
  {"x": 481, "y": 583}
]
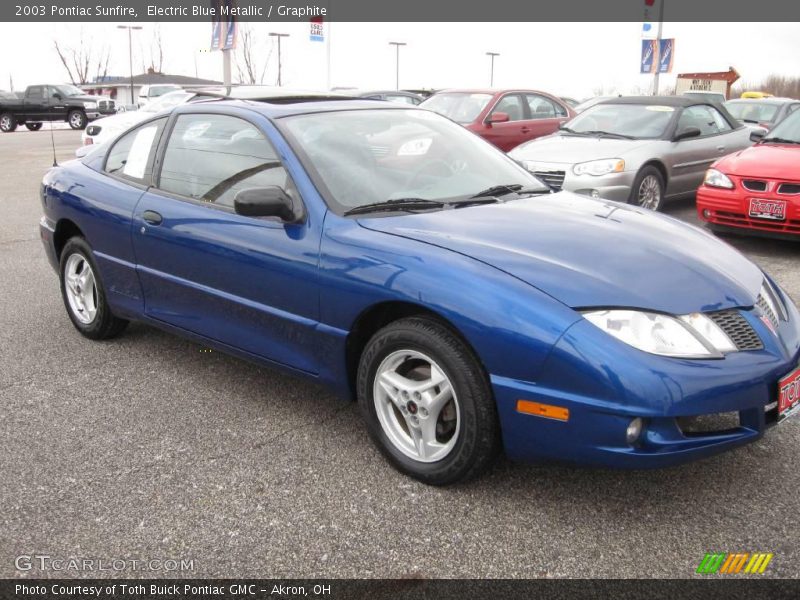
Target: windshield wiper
[
  {"x": 780, "y": 140},
  {"x": 503, "y": 190},
  {"x": 396, "y": 204},
  {"x": 609, "y": 133}
]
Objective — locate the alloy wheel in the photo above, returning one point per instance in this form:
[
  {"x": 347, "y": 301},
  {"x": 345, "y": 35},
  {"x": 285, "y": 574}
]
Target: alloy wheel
[
  {"x": 649, "y": 194},
  {"x": 81, "y": 288}
]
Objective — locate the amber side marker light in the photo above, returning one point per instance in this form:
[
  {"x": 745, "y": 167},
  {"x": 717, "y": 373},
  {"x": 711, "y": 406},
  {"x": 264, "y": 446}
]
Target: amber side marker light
[{"x": 543, "y": 410}]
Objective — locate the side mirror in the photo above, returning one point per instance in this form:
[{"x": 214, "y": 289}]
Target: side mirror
[
  {"x": 688, "y": 132},
  {"x": 270, "y": 201},
  {"x": 757, "y": 135},
  {"x": 498, "y": 117},
  {"x": 58, "y": 96}
]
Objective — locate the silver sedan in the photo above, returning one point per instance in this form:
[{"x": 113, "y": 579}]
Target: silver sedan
[{"x": 643, "y": 150}]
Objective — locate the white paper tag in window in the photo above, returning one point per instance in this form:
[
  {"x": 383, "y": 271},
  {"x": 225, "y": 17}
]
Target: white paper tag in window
[{"x": 139, "y": 152}]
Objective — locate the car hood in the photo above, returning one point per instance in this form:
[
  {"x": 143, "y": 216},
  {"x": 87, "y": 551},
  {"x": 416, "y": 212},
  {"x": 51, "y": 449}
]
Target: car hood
[
  {"x": 121, "y": 120},
  {"x": 573, "y": 149},
  {"x": 773, "y": 161},
  {"x": 587, "y": 252}
]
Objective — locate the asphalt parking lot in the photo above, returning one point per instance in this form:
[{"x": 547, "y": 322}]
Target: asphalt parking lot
[{"x": 149, "y": 447}]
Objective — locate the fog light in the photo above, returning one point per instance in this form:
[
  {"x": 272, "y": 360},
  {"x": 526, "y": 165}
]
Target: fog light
[
  {"x": 634, "y": 431},
  {"x": 706, "y": 213},
  {"x": 595, "y": 194}
]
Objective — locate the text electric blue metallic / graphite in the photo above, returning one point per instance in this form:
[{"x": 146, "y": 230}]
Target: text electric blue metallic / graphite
[{"x": 396, "y": 257}]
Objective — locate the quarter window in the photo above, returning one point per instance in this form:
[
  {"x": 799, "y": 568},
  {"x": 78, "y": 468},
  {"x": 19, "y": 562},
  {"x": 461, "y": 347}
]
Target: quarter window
[
  {"x": 212, "y": 157},
  {"x": 544, "y": 108},
  {"x": 131, "y": 156}
]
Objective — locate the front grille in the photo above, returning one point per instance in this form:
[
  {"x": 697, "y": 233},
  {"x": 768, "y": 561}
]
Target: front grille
[
  {"x": 379, "y": 151},
  {"x": 705, "y": 424},
  {"x": 106, "y": 105},
  {"x": 789, "y": 188},
  {"x": 766, "y": 309},
  {"x": 737, "y": 329},
  {"x": 555, "y": 179},
  {"x": 754, "y": 185}
]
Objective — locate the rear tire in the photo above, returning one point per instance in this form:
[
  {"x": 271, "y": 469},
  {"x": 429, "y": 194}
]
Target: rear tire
[
  {"x": 83, "y": 293},
  {"x": 648, "y": 189},
  {"x": 33, "y": 126},
  {"x": 77, "y": 119},
  {"x": 8, "y": 122},
  {"x": 427, "y": 403}
]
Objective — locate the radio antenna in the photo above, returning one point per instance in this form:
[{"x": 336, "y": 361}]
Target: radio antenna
[{"x": 53, "y": 144}]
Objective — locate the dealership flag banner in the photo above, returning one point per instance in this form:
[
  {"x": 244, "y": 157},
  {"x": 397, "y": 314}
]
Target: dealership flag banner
[
  {"x": 666, "y": 54},
  {"x": 648, "y": 60},
  {"x": 230, "y": 26}
]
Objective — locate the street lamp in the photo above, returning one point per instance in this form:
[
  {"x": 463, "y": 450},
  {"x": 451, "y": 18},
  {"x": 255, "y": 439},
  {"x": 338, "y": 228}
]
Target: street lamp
[
  {"x": 130, "y": 52},
  {"x": 397, "y": 63},
  {"x": 491, "y": 68},
  {"x": 279, "y": 36}
]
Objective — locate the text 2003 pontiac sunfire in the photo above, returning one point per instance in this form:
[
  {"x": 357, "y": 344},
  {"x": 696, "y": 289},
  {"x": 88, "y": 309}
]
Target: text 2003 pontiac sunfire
[{"x": 402, "y": 260}]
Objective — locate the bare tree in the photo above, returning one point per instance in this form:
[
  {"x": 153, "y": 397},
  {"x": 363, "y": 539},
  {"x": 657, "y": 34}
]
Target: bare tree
[
  {"x": 157, "y": 51},
  {"x": 250, "y": 68},
  {"x": 79, "y": 60}
]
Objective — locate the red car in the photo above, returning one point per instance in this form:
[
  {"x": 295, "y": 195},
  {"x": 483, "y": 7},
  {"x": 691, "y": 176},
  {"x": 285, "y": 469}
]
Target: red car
[
  {"x": 505, "y": 118},
  {"x": 757, "y": 189}
]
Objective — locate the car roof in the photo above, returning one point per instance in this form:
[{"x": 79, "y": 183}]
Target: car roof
[
  {"x": 677, "y": 101},
  {"x": 489, "y": 91},
  {"x": 768, "y": 100},
  {"x": 286, "y": 106}
]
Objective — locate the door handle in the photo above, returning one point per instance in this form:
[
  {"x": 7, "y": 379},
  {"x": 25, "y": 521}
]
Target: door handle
[
  {"x": 152, "y": 217},
  {"x": 525, "y": 130},
  {"x": 721, "y": 148}
]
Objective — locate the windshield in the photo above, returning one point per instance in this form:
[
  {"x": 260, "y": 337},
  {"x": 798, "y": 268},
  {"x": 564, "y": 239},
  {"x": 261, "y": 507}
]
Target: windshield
[
  {"x": 69, "y": 90},
  {"x": 160, "y": 90},
  {"x": 462, "y": 107},
  {"x": 640, "y": 121},
  {"x": 166, "y": 101},
  {"x": 752, "y": 112},
  {"x": 788, "y": 129},
  {"x": 371, "y": 156}
]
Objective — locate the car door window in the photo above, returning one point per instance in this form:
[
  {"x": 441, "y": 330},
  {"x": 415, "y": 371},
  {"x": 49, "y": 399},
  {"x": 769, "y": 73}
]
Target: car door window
[
  {"x": 131, "y": 156},
  {"x": 512, "y": 106},
  {"x": 402, "y": 99},
  {"x": 36, "y": 92},
  {"x": 707, "y": 119},
  {"x": 51, "y": 94},
  {"x": 211, "y": 158},
  {"x": 543, "y": 108}
]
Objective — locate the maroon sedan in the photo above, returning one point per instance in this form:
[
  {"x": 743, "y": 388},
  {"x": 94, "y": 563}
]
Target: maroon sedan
[{"x": 506, "y": 118}]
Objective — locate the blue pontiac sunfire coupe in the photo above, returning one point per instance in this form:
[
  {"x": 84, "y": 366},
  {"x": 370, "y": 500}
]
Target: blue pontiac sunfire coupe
[{"x": 403, "y": 261}]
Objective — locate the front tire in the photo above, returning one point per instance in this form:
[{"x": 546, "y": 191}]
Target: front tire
[
  {"x": 648, "y": 189},
  {"x": 427, "y": 402},
  {"x": 77, "y": 119},
  {"x": 83, "y": 293},
  {"x": 33, "y": 126},
  {"x": 8, "y": 123}
]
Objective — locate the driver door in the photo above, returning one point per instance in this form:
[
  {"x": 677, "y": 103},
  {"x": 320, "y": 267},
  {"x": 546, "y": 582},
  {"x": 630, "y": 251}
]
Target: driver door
[{"x": 251, "y": 283}]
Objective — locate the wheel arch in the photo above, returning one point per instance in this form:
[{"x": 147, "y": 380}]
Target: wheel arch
[
  {"x": 378, "y": 316},
  {"x": 662, "y": 168},
  {"x": 65, "y": 229}
]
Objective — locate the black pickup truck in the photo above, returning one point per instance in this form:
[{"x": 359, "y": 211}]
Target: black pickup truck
[{"x": 52, "y": 103}]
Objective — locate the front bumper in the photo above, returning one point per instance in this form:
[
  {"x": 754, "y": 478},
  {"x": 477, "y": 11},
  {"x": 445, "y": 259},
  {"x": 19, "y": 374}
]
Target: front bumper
[
  {"x": 730, "y": 209},
  {"x": 47, "y": 232},
  {"x": 613, "y": 186},
  {"x": 604, "y": 385}
]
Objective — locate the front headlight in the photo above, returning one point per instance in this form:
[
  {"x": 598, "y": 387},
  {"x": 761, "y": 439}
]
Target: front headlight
[
  {"x": 688, "y": 336},
  {"x": 90, "y": 105},
  {"x": 718, "y": 179},
  {"x": 599, "y": 167}
]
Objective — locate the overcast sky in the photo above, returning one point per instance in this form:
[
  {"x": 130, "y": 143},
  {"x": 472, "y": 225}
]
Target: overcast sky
[{"x": 576, "y": 59}]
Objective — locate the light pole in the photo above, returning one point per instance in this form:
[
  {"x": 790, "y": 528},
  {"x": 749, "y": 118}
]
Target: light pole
[
  {"x": 279, "y": 36},
  {"x": 130, "y": 52},
  {"x": 491, "y": 67},
  {"x": 397, "y": 63}
]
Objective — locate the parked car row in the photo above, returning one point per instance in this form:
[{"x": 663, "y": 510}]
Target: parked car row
[{"x": 389, "y": 253}]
